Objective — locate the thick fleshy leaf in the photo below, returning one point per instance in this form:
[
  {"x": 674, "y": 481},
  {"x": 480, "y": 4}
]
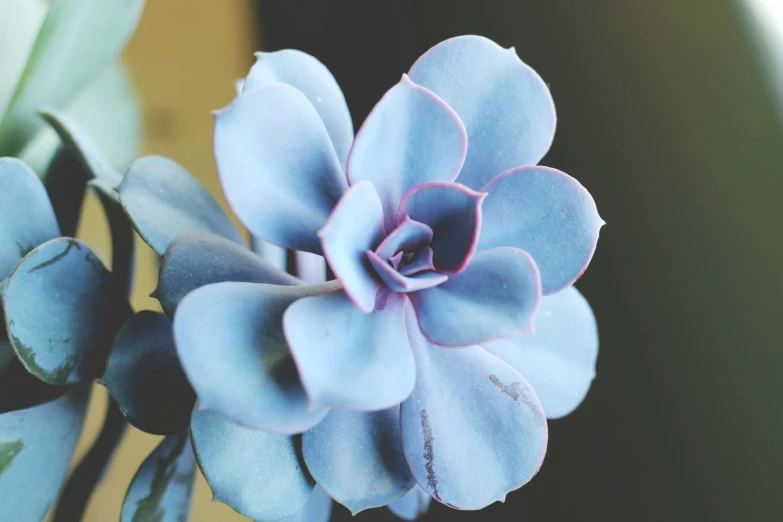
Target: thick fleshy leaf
[
  {"x": 453, "y": 212},
  {"x": 317, "y": 509},
  {"x": 230, "y": 340},
  {"x": 165, "y": 202},
  {"x": 27, "y": 218},
  {"x": 258, "y": 474},
  {"x": 36, "y": 445},
  {"x": 20, "y": 21},
  {"x": 415, "y": 503},
  {"x": 271, "y": 253},
  {"x": 558, "y": 360},
  {"x": 495, "y": 297},
  {"x": 549, "y": 215},
  {"x": 314, "y": 80},
  {"x": 409, "y": 236},
  {"x": 144, "y": 375},
  {"x": 355, "y": 226},
  {"x": 411, "y": 137},
  {"x": 505, "y": 105},
  {"x": 473, "y": 429},
  {"x": 162, "y": 489},
  {"x": 357, "y": 458},
  {"x": 402, "y": 283},
  {"x": 277, "y": 165},
  {"x": 62, "y": 310},
  {"x": 64, "y": 60},
  {"x": 81, "y": 144},
  {"x": 201, "y": 259},
  {"x": 349, "y": 359}
]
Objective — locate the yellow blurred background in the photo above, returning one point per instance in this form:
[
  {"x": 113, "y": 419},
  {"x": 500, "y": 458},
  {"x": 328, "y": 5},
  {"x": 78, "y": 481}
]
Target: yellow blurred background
[{"x": 184, "y": 60}]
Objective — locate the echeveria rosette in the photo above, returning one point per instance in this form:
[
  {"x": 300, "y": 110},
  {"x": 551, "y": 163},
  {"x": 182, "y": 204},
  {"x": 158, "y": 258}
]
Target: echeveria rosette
[{"x": 439, "y": 211}]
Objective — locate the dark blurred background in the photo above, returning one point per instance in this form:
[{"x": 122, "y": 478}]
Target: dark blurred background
[{"x": 664, "y": 116}]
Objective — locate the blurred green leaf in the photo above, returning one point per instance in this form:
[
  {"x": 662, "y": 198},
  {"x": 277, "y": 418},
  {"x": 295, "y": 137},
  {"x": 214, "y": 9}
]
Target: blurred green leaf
[
  {"x": 764, "y": 20},
  {"x": 77, "y": 41}
]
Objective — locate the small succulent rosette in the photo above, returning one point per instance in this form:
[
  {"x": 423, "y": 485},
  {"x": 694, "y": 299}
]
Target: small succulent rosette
[
  {"x": 62, "y": 308},
  {"x": 412, "y": 374}
]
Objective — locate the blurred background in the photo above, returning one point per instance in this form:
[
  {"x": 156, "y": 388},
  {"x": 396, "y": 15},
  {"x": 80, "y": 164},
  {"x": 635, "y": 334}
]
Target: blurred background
[{"x": 669, "y": 114}]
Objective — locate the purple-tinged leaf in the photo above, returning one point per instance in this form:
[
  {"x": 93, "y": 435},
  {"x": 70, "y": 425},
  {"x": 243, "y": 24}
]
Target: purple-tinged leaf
[
  {"x": 27, "y": 218},
  {"x": 473, "y": 429},
  {"x": 165, "y": 202},
  {"x": 144, "y": 375},
  {"x": 317, "y": 509},
  {"x": 256, "y": 473},
  {"x": 453, "y": 212},
  {"x": 357, "y": 458},
  {"x": 415, "y": 503},
  {"x": 162, "y": 489},
  {"x": 277, "y": 165},
  {"x": 496, "y": 296},
  {"x": 505, "y": 105},
  {"x": 421, "y": 261},
  {"x": 558, "y": 360},
  {"x": 201, "y": 259},
  {"x": 401, "y": 283},
  {"x": 411, "y": 137},
  {"x": 409, "y": 236},
  {"x": 36, "y": 445},
  {"x": 230, "y": 341},
  {"x": 355, "y": 226},
  {"x": 347, "y": 358},
  {"x": 549, "y": 215},
  {"x": 314, "y": 80},
  {"x": 62, "y": 310}
]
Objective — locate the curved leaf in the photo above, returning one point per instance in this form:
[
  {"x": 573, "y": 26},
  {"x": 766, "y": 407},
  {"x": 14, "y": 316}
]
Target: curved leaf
[
  {"x": 317, "y": 509},
  {"x": 549, "y": 215},
  {"x": 495, "y": 296},
  {"x": 201, "y": 259},
  {"x": 279, "y": 170},
  {"x": 314, "y": 80},
  {"x": 230, "y": 340},
  {"x": 357, "y": 458},
  {"x": 256, "y": 473},
  {"x": 415, "y": 503},
  {"x": 505, "y": 105},
  {"x": 36, "y": 445},
  {"x": 165, "y": 202},
  {"x": 62, "y": 311},
  {"x": 144, "y": 375},
  {"x": 411, "y": 137},
  {"x": 27, "y": 218},
  {"x": 162, "y": 489},
  {"x": 65, "y": 60},
  {"x": 473, "y": 429},
  {"x": 558, "y": 358}
]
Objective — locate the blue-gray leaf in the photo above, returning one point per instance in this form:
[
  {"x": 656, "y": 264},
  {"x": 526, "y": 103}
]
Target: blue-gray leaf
[
  {"x": 165, "y": 202},
  {"x": 36, "y": 445},
  {"x": 254, "y": 472},
  {"x": 62, "y": 311},
  {"x": 27, "y": 218},
  {"x": 201, "y": 259},
  {"x": 162, "y": 489},
  {"x": 357, "y": 458},
  {"x": 144, "y": 375},
  {"x": 317, "y": 509}
]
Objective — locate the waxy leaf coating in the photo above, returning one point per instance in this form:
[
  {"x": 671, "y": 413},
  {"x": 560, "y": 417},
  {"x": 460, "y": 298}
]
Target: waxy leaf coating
[{"x": 62, "y": 310}]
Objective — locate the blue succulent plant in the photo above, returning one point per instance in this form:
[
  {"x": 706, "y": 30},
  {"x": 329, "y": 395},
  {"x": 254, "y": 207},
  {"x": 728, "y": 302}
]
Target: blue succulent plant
[
  {"x": 427, "y": 368},
  {"x": 450, "y": 248}
]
